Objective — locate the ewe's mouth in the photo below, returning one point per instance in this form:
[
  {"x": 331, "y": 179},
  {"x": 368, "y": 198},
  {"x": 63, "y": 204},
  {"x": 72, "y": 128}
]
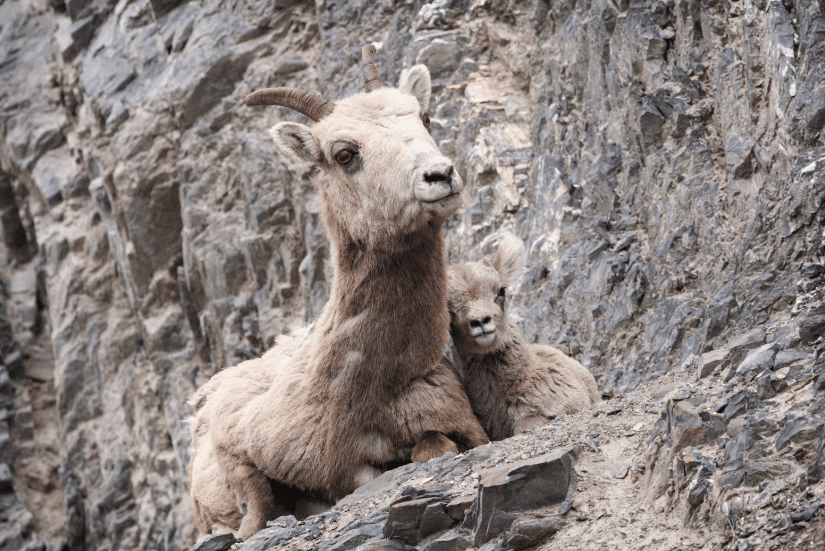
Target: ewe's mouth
[
  {"x": 428, "y": 192},
  {"x": 485, "y": 339}
]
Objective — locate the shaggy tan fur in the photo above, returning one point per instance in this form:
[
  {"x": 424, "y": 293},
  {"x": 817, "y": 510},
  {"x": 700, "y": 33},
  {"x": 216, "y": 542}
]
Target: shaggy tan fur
[
  {"x": 513, "y": 386},
  {"x": 325, "y": 412}
]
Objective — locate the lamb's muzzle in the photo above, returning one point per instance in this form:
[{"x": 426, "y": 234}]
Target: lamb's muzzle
[{"x": 483, "y": 330}]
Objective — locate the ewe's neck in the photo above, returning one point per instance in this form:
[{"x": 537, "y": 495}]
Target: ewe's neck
[{"x": 386, "y": 321}]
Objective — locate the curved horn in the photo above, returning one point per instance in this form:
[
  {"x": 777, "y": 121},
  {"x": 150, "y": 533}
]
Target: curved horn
[
  {"x": 371, "y": 78},
  {"x": 312, "y": 105}
]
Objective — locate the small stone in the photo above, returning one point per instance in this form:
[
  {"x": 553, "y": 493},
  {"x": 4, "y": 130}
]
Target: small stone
[
  {"x": 386, "y": 545},
  {"x": 531, "y": 532},
  {"x": 740, "y": 403},
  {"x": 457, "y": 508},
  {"x": 811, "y": 328},
  {"x": 451, "y": 542},
  {"x": 761, "y": 471},
  {"x": 806, "y": 515},
  {"x": 289, "y": 63},
  {"x": 756, "y": 361},
  {"x": 699, "y": 487},
  {"x": 737, "y": 425},
  {"x": 621, "y": 471},
  {"x": 14, "y": 363},
  {"x": 764, "y": 385},
  {"x": 216, "y": 542},
  {"x": 351, "y": 538},
  {"x": 691, "y": 427},
  {"x": 765, "y": 427},
  {"x": 404, "y": 521},
  {"x": 811, "y": 270},
  {"x": 819, "y": 384},
  {"x": 709, "y": 361},
  {"x": 741, "y": 345},
  {"x": 651, "y": 122},
  {"x": 6, "y": 479},
  {"x": 788, "y": 357},
  {"x": 736, "y": 447},
  {"x": 798, "y": 431},
  {"x": 434, "y": 519}
]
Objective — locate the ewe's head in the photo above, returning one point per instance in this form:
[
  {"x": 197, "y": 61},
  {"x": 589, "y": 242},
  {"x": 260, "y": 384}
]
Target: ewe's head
[
  {"x": 477, "y": 295},
  {"x": 384, "y": 176}
]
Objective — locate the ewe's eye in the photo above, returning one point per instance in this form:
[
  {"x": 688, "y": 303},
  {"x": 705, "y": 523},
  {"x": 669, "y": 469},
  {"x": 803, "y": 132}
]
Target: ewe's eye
[
  {"x": 501, "y": 293},
  {"x": 344, "y": 157},
  {"x": 425, "y": 118}
]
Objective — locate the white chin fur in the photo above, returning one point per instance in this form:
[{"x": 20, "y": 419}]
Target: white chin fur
[{"x": 486, "y": 339}]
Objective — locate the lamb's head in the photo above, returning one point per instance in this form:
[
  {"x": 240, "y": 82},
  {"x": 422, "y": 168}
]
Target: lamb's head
[
  {"x": 384, "y": 176},
  {"x": 477, "y": 296}
]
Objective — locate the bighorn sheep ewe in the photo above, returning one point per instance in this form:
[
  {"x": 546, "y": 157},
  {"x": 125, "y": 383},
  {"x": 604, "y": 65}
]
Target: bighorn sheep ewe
[
  {"x": 367, "y": 387},
  {"x": 513, "y": 386}
]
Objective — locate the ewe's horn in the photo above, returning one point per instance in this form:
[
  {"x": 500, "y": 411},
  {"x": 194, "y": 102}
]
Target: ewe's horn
[
  {"x": 312, "y": 105},
  {"x": 371, "y": 78}
]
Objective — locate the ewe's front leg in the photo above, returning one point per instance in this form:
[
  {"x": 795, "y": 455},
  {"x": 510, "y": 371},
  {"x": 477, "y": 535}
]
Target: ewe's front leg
[
  {"x": 255, "y": 499},
  {"x": 437, "y": 403},
  {"x": 432, "y": 444},
  {"x": 531, "y": 421}
]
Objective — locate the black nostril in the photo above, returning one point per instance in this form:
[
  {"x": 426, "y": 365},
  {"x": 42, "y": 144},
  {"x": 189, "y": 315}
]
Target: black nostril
[
  {"x": 486, "y": 320},
  {"x": 443, "y": 176},
  {"x": 475, "y": 322}
]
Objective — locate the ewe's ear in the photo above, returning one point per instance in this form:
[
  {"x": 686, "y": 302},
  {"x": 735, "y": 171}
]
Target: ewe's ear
[
  {"x": 454, "y": 289},
  {"x": 416, "y": 82},
  {"x": 296, "y": 140},
  {"x": 509, "y": 259}
]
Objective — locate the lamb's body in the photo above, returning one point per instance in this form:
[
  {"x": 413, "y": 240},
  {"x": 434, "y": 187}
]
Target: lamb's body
[
  {"x": 324, "y": 412},
  {"x": 513, "y": 386},
  {"x": 523, "y": 386}
]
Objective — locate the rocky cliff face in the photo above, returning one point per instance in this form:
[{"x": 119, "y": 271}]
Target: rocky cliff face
[{"x": 661, "y": 159}]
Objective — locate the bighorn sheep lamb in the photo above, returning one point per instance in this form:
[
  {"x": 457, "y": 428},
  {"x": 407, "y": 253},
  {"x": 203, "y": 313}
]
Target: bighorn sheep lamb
[
  {"x": 513, "y": 386},
  {"x": 367, "y": 387}
]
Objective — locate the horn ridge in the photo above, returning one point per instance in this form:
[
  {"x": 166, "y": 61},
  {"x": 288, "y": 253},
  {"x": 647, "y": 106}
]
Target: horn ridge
[
  {"x": 372, "y": 80},
  {"x": 314, "y": 106}
]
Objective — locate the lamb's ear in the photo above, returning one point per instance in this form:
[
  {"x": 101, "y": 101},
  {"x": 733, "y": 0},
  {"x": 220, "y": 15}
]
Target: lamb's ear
[
  {"x": 416, "y": 82},
  {"x": 509, "y": 259},
  {"x": 296, "y": 140}
]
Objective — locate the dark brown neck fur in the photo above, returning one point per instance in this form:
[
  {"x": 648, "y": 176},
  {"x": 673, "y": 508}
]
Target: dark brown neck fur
[{"x": 386, "y": 321}]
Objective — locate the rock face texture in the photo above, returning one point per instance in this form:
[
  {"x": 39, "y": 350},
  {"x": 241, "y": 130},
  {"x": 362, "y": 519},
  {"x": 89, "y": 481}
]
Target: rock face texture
[{"x": 662, "y": 160}]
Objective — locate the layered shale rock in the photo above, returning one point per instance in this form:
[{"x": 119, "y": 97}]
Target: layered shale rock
[{"x": 662, "y": 161}]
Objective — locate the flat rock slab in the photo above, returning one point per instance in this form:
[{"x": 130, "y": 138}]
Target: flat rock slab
[
  {"x": 528, "y": 533},
  {"x": 802, "y": 430},
  {"x": 512, "y": 488},
  {"x": 410, "y": 521},
  {"x": 218, "y": 542},
  {"x": 739, "y": 346},
  {"x": 757, "y": 360},
  {"x": 450, "y": 542}
]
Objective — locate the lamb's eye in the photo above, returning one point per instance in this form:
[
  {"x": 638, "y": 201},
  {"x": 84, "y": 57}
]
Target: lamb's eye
[
  {"x": 425, "y": 118},
  {"x": 344, "y": 156},
  {"x": 501, "y": 292}
]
